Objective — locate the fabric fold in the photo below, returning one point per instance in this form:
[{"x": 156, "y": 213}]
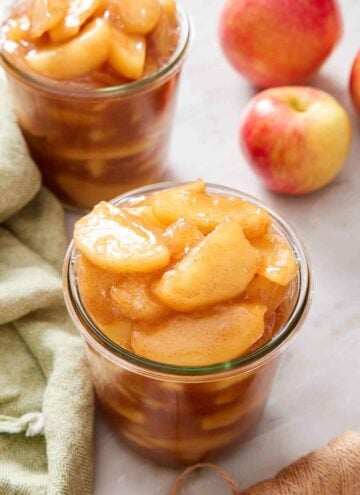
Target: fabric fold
[
  {"x": 27, "y": 282},
  {"x": 19, "y": 178},
  {"x": 31, "y": 424},
  {"x": 46, "y": 398}
]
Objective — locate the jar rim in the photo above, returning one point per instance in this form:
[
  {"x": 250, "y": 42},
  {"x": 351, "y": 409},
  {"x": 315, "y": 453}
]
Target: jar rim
[
  {"x": 96, "y": 338},
  {"x": 141, "y": 85}
]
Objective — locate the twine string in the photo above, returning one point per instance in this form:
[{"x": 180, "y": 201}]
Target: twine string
[
  {"x": 178, "y": 484},
  {"x": 331, "y": 470}
]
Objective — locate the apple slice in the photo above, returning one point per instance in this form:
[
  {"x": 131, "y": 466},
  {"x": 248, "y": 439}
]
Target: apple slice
[
  {"x": 17, "y": 29},
  {"x": 95, "y": 286},
  {"x": 217, "y": 269},
  {"x": 113, "y": 240},
  {"x": 180, "y": 237},
  {"x": 165, "y": 36},
  {"x": 197, "y": 186},
  {"x": 79, "y": 11},
  {"x": 119, "y": 331},
  {"x": 278, "y": 259},
  {"x": 264, "y": 291},
  {"x": 46, "y": 14},
  {"x": 138, "y": 16},
  {"x": 135, "y": 301},
  {"x": 201, "y": 339},
  {"x": 128, "y": 52},
  {"x": 145, "y": 216},
  {"x": 169, "y": 8},
  {"x": 76, "y": 58},
  {"x": 207, "y": 211}
]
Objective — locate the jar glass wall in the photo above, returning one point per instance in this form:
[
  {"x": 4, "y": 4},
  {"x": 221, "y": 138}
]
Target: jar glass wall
[
  {"x": 176, "y": 414},
  {"x": 93, "y": 145}
]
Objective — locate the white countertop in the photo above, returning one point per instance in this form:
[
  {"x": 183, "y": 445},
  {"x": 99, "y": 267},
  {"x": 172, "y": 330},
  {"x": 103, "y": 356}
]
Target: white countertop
[{"x": 316, "y": 395}]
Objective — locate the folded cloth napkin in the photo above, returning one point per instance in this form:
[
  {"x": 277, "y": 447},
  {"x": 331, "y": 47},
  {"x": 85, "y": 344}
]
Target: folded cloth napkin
[{"x": 46, "y": 402}]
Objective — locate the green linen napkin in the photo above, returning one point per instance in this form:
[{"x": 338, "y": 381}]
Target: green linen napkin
[{"x": 46, "y": 401}]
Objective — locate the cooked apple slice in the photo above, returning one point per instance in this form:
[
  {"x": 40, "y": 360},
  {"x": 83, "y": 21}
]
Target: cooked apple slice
[
  {"x": 46, "y": 14},
  {"x": 76, "y": 58},
  {"x": 17, "y": 29},
  {"x": 278, "y": 259},
  {"x": 127, "y": 55},
  {"x": 145, "y": 216},
  {"x": 135, "y": 301},
  {"x": 201, "y": 339},
  {"x": 207, "y": 211},
  {"x": 217, "y": 269},
  {"x": 119, "y": 331},
  {"x": 111, "y": 239},
  {"x": 138, "y": 16},
  {"x": 270, "y": 329},
  {"x": 169, "y": 8},
  {"x": 79, "y": 11},
  {"x": 180, "y": 237},
  {"x": 95, "y": 286},
  {"x": 197, "y": 186},
  {"x": 165, "y": 36},
  {"x": 264, "y": 291}
]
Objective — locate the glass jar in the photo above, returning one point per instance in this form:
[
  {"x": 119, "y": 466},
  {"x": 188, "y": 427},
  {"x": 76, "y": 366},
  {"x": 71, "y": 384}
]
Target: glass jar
[
  {"x": 93, "y": 145},
  {"x": 180, "y": 415}
]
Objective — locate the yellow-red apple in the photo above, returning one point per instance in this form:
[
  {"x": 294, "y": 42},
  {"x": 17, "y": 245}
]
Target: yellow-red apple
[
  {"x": 296, "y": 138},
  {"x": 279, "y": 42},
  {"x": 355, "y": 82}
]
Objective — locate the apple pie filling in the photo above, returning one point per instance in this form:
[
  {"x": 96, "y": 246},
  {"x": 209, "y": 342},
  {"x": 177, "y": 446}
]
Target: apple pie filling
[
  {"x": 184, "y": 277},
  {"x": 94, "y": 86},
  {"x": 94, "y": 43}
]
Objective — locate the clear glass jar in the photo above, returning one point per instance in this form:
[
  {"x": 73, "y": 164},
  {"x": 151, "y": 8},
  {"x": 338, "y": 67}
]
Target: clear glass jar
[
  {"x": 93, "y": 145},
  {"x": 180, "y": 415}
]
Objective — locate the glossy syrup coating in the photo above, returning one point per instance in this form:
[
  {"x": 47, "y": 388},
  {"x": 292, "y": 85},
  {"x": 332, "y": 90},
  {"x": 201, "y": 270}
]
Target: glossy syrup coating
[
  {"x": 92, "y": 43},
  {"x": 90, "y": 150},
  {"x": 90, "y": 146},
  {"x": 225, "y": 288},
  {"x": 195, "y": 284},
  {"x": 183, "y": 422}
]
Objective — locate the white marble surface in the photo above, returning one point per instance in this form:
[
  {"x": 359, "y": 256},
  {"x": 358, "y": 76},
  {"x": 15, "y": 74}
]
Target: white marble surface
[{"x": 317, "y": 392}]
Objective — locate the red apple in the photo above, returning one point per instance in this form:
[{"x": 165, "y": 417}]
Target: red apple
[
  {"x": 279, "y": 42},
  {"x": 296, "y": 138},
  {"x": 355, "y": 82}
]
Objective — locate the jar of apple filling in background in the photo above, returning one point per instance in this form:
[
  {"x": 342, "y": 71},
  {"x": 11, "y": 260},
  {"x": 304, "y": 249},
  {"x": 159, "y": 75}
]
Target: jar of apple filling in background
[
  {"x": 94, "y": 144},
  {"x": 176, "y": 414}
]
